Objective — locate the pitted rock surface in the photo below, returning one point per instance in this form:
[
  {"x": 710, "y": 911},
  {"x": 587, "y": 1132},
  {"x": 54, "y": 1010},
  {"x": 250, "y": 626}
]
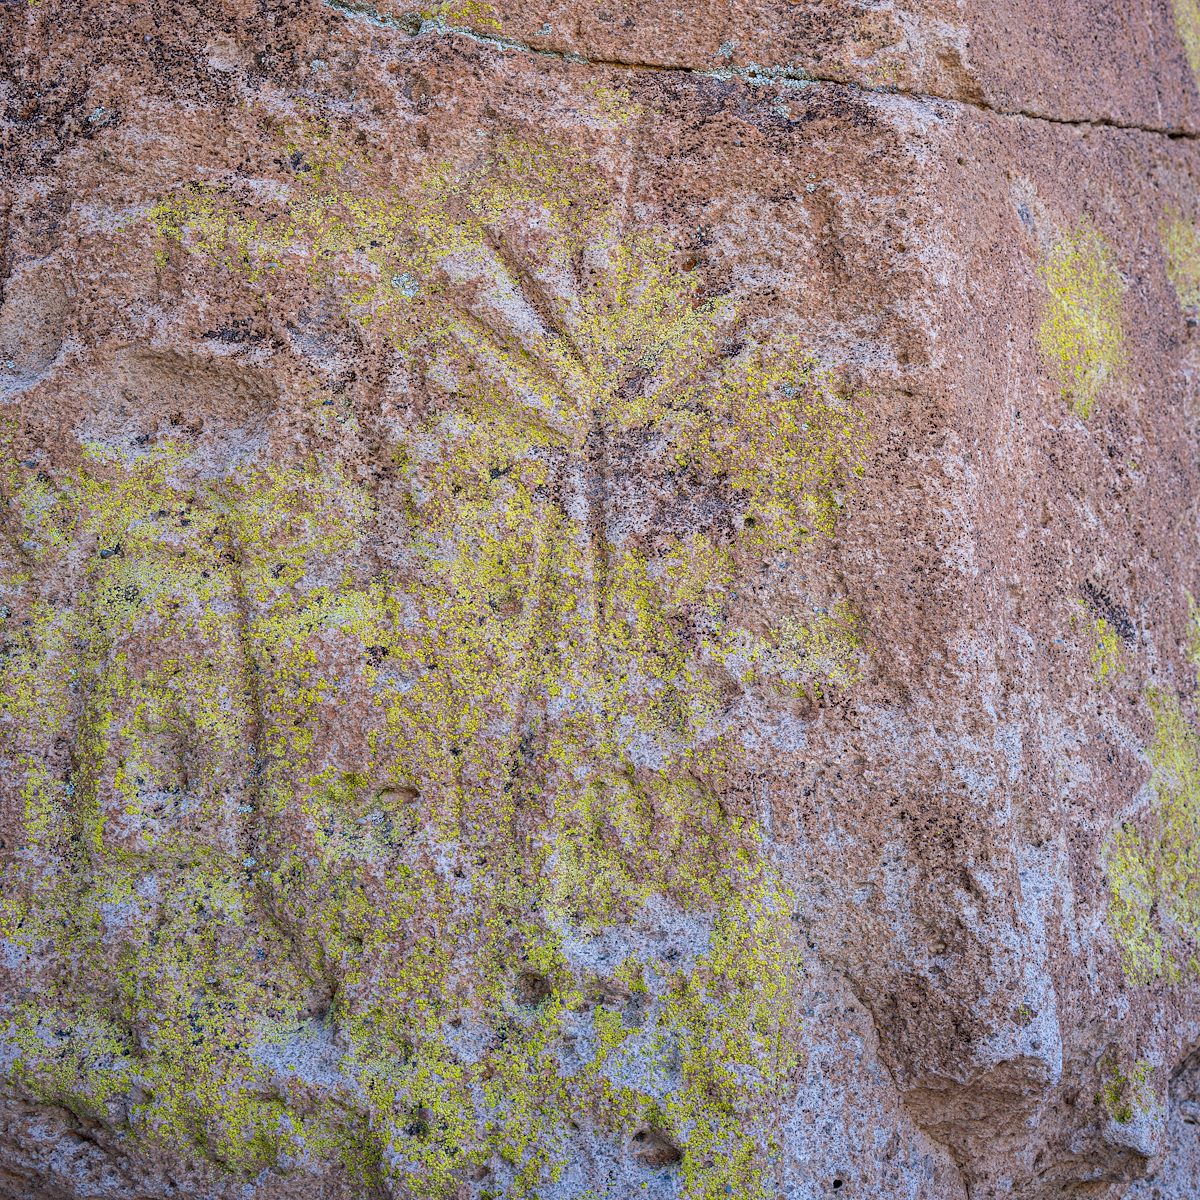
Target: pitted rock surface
[{"x": 598, "y": 600}]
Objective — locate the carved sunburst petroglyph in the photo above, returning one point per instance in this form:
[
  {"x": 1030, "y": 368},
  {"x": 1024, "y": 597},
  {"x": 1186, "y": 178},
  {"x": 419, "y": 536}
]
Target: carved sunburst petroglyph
[
  {"x": 418, "y": 798},
  {"x": 586, "y": 338}
]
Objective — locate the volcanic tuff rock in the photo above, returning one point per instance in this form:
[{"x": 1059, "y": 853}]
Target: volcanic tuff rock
[{"x": 596, "y": 600}]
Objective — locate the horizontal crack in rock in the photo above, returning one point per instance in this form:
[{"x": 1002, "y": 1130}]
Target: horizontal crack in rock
[{"x": 752, "y": 74}]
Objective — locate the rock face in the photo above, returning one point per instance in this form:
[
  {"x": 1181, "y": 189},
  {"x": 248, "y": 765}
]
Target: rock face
[{"x": 597, "y": 601}]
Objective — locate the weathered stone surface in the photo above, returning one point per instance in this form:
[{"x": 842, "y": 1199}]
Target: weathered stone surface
[
  {"x": 1104, "y": 62},
  {"x": 597, "y": 601}
]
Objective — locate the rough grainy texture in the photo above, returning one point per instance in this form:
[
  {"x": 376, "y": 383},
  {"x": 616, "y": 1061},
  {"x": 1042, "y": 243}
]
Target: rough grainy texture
[{"x": 596, "y": 600}]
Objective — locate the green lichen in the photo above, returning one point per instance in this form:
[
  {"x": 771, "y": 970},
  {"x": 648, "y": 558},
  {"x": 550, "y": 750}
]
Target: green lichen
[
  {"x": 77, "y": 1059},
  {"x": 1187, "y": 24},
  {"x": 1181, "y": 245},
  {"x": 308, "y": 790},
  {"x": 1153, "y": 865},
  {"x": 1192, "y": 643},
  {"x": 469, "y": 15},
  {"x": 817, "y": 658},
  {"x": 1082, "y": 333},
  {"x": 141, "y": 878},
  {"x": 731, "y": 1017},
  {"x": 1126, "y": 1094},
  {"x": 614, "y": 105},
  {"x": 1105, "y": 652}
]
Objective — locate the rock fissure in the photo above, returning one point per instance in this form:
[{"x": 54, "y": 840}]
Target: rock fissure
[{"x": 752, "y": 74}]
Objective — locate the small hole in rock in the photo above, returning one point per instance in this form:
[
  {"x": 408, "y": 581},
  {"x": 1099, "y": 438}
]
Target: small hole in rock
[
  {"x": 653, "y": 1148},
  {"x": 532, "y": 989}
]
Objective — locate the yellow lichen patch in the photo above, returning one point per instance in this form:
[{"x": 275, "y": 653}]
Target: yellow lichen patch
[
  {"x": 475, "y": 16},
  {"x": 815, "y": 658},
  {"x": 211, "y": 982},
  {"x": 36, "y": 699},
  {"x": 77, "y": 1059},
  {"x": 778, "y": 429},
  {"x": 471, "y": 14},
  {"x": 398, "y": 799},
  {"x": 1192, "y": 644},
  {"x": 1181, "y": 245},
  {"x": 143, "y": 884},
  {"x": 698, "y": 574},
  {"x": 1104, "y": 651},
  {"x": 1153, "y": 865},
  {"x": 1082, "y": 333},
  {"x": 1126, "y": 1094},
  {"x": 729, "y": 1019},
  {"x": 614, "y": 105},
  {"x": 1187, "y": 23}
]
